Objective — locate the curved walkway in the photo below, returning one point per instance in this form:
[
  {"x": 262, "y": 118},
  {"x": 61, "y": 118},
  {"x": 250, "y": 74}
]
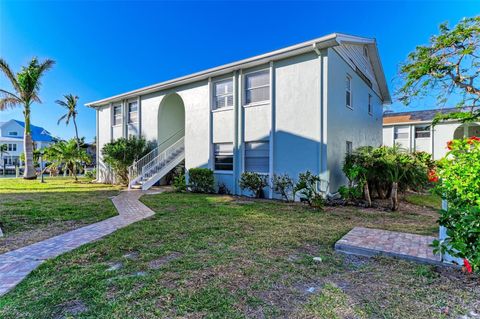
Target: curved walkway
[{"x": 17, "y": 264}]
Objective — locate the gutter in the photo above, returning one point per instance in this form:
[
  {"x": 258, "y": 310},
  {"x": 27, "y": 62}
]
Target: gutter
[{"x": 314, "y": 45}]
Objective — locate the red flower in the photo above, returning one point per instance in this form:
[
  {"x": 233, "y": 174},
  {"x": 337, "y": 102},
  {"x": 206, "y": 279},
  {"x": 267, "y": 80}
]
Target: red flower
[
  {"x": 432, "y": 176},
  {"x": 449, "y": 145},
  {"x": 467, "y": 265},
  {"x": 473, "y": 138}
]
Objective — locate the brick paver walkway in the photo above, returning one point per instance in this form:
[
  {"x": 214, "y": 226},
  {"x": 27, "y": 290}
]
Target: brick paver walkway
[
  {"x": 369, "y": 242},
  {"x": 17, "y": 264}
]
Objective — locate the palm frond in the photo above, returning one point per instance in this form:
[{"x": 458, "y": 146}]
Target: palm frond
[
  {"x": 45, "y": 66},
  {"x": 62, "y": 103},
  {"x": 61, "y": 118},
  {"x": 9, "y": 74},
  {"x": 8, "y": 100}
]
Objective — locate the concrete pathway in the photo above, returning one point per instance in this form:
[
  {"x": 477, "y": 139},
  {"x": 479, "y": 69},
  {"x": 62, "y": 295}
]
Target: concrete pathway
[
  {"x": 369, "y": 242},
  {"x": 17, "y": 264}
]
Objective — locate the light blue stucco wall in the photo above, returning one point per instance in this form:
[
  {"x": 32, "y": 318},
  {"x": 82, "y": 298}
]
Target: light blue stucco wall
[{"x": 345, "y": 124}]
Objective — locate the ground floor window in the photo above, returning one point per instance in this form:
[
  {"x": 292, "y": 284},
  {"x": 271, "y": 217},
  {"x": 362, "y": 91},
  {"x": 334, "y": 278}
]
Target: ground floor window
[
  {"x": 11, "y": 160},
  {"x": 223, "y": 156},
  {"x": 257, "y": 157},
  {"x": 349, "y": 147}
]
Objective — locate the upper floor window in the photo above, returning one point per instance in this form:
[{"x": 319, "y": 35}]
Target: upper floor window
[
  {"x": 422, "y": 131},
  {"x": 223, "y": 156},
  {"x": 349, "y": 147},
  {"x": 348, "y": 91},
  {"x": 365, "y": 51},
  {"x": 370, "y": 107},
  {"x": 401, "y": 132},
  {"x": 257, "y": 157},
  {"x": 12, "y": 147},
  {"x": 117, "y": 115},
  {"x": 257, "y": 87},
  {"x": 223, "y": 94},
  {"x": 13, "y": 133},
  {"x": 133, "y": 112}
]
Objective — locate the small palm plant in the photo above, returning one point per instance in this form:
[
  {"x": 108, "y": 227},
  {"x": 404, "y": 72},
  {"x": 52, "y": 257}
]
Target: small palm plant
[
  {"x": 70, "y": 103},
  {"x": 68, "y": 155},
  {"x": 3, "y": 152},
  {"x": 26, "y": 84}
]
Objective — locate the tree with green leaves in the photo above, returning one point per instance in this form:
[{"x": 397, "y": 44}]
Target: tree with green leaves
[
  {"x": 68, "y": 155},
  {"x": 448, "y": 67},
  {"x": 3, "y": 152},
  {"x": 26, "y": 85},
  {"x": 70, "y": 103}
]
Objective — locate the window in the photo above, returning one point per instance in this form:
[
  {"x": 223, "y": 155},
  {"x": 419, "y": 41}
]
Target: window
[
  {"x": 422, "y": 131},
  {"x": 12, "y": 147},
  {"x": 257, "y": 157},
  {"x": 117, "y": 115},
  {"x": 257, "y": 87},
  {"x": 133, "y": 112},
  {"x": 370, "y": 108},
  {"x": 13, "y": 133},
  {"x": 349, "y": 147},
  {"x": 223, "y": 94},
  {"x": 223, "y": 156},
  {"x": 365, "y": 51},
  {"x": 348, "y": 91},
  {"x": 401, "y": 132}
]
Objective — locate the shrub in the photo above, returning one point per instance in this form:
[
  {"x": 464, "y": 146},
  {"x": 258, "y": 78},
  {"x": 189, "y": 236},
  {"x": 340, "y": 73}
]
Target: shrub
[
  {"x": 458, "y": 182},
  {"x": 283, "y": 184},
  {"x": 350, "y": 193},
  {"x": 91, "y": 174},
  {"x": 121, "y": 153},
  {"x": 201, "y": 180},
  {"x": 307, "y": 186},
  {"x": 254, "y": 182},
  {"x": 179, "y": 184}
]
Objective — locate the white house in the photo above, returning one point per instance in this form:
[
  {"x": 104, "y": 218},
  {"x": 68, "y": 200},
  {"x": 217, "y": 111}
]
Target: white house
[
  {"x": 11, "y": 134},
  {"x": 294, "y": 109},
  {"x": 414, "y": 131}
]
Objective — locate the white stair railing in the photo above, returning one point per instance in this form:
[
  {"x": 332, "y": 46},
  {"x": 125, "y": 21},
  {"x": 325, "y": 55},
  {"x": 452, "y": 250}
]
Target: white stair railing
[{"x": 144, "y": 170}]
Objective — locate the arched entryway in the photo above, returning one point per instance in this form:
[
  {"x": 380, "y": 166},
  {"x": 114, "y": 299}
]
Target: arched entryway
[
  {"x": 171, "y": 121},
  {"x": 467, "y": 130}
]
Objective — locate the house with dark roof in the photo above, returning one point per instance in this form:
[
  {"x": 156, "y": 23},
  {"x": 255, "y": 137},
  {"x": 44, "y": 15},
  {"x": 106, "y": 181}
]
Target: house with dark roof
[
  {"x": 11, "y": 134},
  {"x": 413, "y": 130}
]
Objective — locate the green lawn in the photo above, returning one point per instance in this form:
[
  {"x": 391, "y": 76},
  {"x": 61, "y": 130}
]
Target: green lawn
[
  {"x": 31, "y": 211},
  {"x": 427, "y": 200},
  {"x": 208, "y": 256}
]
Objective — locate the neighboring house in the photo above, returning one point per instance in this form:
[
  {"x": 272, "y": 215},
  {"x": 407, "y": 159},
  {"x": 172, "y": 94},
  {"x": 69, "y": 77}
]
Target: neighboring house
[
  {"x": 291, "y": 110},
  {"x": 413, "y": 131},
  {"x": 11, "y": 134}
]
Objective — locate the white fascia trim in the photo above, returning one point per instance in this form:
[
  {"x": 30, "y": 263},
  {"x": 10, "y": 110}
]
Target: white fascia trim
[{"x": 322, "y": 42}]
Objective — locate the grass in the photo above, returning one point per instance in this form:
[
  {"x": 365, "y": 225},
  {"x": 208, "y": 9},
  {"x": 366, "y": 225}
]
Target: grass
[
  {"x": 31, "y": 210},
  {"x": 208, "y": 256},
  {"x": 428, "y": 200}
]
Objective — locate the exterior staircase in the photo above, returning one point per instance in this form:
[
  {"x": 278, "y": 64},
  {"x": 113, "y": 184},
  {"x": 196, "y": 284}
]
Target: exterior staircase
[{"x": 149, "y": 169}]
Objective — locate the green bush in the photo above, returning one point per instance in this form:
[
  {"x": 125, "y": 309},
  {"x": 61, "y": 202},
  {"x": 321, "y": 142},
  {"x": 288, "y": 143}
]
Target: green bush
[
  {"x": 179, "y": 184},
  {"x": 350, "y": 193},
  {"x": 201, "y": 180},
  {"x": 254, "y": 182},
  {"x": 121, "y": 153},
  {"x": 307, "y": 186},
  {"x": 283, "y": 184},
  {"x": 458, "y": 177},
  {"x": 91, "y": 174}
]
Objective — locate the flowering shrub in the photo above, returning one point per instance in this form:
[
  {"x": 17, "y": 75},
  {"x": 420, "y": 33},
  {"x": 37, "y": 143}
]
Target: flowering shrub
[{"x": 458, "y": 177}]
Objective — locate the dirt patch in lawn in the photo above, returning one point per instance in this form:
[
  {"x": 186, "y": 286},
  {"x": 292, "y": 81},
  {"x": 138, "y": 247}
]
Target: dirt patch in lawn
[{"x": 39, "y": 233}]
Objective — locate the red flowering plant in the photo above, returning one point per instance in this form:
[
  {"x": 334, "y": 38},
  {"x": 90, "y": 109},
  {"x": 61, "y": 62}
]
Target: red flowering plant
[{"x": 458, "y": 176}]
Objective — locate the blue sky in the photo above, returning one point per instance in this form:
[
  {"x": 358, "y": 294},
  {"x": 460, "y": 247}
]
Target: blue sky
[{"x": 104, "y": 48}]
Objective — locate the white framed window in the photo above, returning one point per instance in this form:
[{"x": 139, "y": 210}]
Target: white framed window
[
  {"x": 370, "y": 107},
  {"x": 349, "y": 147},
  {"x": 257, "y": 87},
  {"x": 257, "y": 157},
  {"x": 133, "y": 112},
  {"x": 13, "y": 133},
  {"x": 223, "y": 156},
  {"x": 401, "y": 132},
  {"x": 12, "y": 147},
  {"x": 348, "y": 91},
  {"x": 117, "y": 115},
  {"x": 223, "y": 94},
  {"x": 422, "y": 131}
]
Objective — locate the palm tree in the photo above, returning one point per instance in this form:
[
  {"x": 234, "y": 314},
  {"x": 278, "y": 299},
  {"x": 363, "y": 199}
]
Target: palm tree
[
  {"x": 70, "y": 104},
  {"x": 26, "y": 84},
  {"x": 67, "y": 154}
]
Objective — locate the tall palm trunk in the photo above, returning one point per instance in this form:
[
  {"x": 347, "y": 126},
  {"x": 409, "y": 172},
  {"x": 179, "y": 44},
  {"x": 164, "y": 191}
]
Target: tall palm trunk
[
  {"x": 29, "y": 170},
  {"x": 76, "y": 133}
]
